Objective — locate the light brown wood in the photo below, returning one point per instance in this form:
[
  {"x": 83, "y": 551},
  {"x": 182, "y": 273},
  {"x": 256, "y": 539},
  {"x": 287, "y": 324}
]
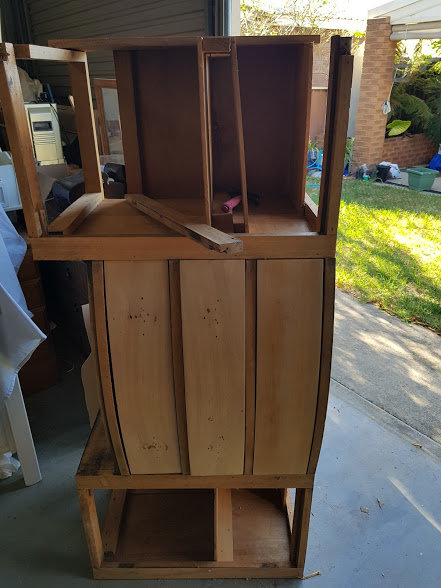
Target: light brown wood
[
  {"x": 91, "y": 526},
  {"x": 112, "y": 523},
  {"x": 239, "y": 129},
  {"x": 99, "y": 84},
  {"x": 72, "y": 217},
  {"x": 130, "y": 43},
  {"x": 138, "y": 316},
  {"x": 208, "y": 196},
  {"x": 203, "y": 234},
  {"x": 108, "y": 403},
  {"x": 213, "y": 327},
  {"x": 85, "y": 123},
  {"x": 127, "y": 112},
  {"x": 299, "y": 536},
  {"x": 311, "y": 213},
  {"x": 178, "y": 362},
  {"x": 325, "y": 362},
  {"x": 339, "y": 138},
  {"x": 47, "y": 53},
  {"x": 106, "y": 572},
  {"x": 289, "y": 317},
  {"x": 302, "y": 107},
  {"x": 250, "y": 374},
  {"x": 335, "y": 134},
  {"x": 157, "y": 248},
  {"x": 223, "y": 525},
  {"x": 19, "y": 138}
]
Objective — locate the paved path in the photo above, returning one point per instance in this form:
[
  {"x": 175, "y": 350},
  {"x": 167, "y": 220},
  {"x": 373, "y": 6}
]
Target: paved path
[{"x": 395, "y": 365}]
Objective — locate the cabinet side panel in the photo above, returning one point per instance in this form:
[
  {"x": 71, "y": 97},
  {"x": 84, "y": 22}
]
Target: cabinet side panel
[
  {"x": 138, "y": 314},
  {"x": 289, "y": 317},
  {"x": 213, "y": 326}
]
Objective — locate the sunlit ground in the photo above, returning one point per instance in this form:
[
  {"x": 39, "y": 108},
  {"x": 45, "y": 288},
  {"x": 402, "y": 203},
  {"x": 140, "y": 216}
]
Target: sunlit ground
[{"x": 389, "y": 248}]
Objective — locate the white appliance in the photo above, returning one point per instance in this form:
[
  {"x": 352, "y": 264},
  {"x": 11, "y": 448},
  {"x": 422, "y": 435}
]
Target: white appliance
[
  {"x": 9, "y": 194},
  {"x": 45, "y": 132}
]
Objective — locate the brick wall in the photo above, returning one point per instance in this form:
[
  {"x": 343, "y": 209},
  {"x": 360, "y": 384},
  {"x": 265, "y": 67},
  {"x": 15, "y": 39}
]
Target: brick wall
[
  {"x": 376, "y": 82},
  {"x": 409, "y": 151}
]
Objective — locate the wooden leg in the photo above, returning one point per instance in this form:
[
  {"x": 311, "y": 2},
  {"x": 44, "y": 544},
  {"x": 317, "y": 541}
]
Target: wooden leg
[
  {"x": 112, "y": 523},
  {"x": 223, "y": 525},
  {"x": 300, "y": 528},
  {"x": 91, "y": 526}
]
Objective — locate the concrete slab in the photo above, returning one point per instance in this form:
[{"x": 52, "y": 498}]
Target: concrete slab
[
  {"x": 366, "y": 455},
  {"x": 393, "y": 364}
]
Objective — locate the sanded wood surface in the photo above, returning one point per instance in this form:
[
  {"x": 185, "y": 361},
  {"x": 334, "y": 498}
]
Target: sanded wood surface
[
  {"x": 91, "y": 526},
  {"x": 223, "y": 525},
  {"x": 213, "y": 326},
  {"x": 19, "y": 138},
  {"x": 85, "y": 125},
  {"x": 299, "y": 537},
  {"x": 250, "y": 384},
  {"x": 138, "y": 315},
  {"x": 47, "y": 53},
  {"x": 72, "y": 217},
  {"x": 112, "y": 522},
  {"x": 289, "y": 320},
  {"x": 203, "y": 106},
  {"x": 98, "y": 308},
  {"x": 207, "y": 236}
]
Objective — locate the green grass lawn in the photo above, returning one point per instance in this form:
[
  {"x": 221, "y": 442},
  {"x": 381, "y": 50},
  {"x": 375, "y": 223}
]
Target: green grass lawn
[{"x": 389, "y": 249}]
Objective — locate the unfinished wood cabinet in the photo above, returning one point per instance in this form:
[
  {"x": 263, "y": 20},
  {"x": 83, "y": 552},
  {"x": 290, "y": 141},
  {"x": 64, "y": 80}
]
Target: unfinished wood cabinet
[{"x": 212, "y": 288}]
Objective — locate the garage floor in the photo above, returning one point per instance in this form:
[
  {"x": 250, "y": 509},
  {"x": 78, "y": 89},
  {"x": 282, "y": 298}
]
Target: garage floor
[{"x": 367, "y": 455}]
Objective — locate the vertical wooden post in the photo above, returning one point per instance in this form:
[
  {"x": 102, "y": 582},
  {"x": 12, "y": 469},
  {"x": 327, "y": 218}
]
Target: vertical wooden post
[
  {"x": 300, "y": 527},
  {"x": 223, "y": 525},
  {"x": 11, "y": 99},
  {"x": 239, "y": 131},
  {"x": 302, "y": 77},
  {"x": 337, "y": 116},
  {"x": 250, "y": 369},
  {"x": 85, "y": 123},
  {"x": 127, "y": 114},
  {"x": 91, "y": 526},
  {"x": 204, "y": 101}
]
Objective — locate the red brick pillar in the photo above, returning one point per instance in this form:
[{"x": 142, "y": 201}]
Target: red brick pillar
[{"x": 376, "y": 83}]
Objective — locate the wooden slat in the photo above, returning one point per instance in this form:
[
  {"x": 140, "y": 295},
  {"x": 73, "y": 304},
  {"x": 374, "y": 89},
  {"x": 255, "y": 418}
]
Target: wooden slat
[
  {"x": 250, "y": 374},
  {"x": 239, "y": 129},
  {"x": 91, "y": 526},
  {"x": 85, "y": 124},
  {"x": 47, "y": 53},
  {"x": 203, "y": 105},
  {"x": 71, "y": 218},
  {"x": 339, "y": 138},
  {"x": 311, "y": 213},
  {"x": 203, "y": 234},
  {"x": 178, "y": 362},
  {"x": 299, "y": 536},
  {"x": 19, "y": 138},
  {"x": 325, "y": 361},
  {"x": 223, "y": 525},
  {"x": 156, "y": 248},
  {"x": 213, "y": 326},
  {"x": 127, "y": 113},
  {"x": 112, "y": 523},
  {"x": 99, "y": 84},
  {"x": 289, "y": 315},
  {"x": 329, "y": 188},
  {"x": 99, "y": 314},
  {"x": 138, "y": 314},
  {"x": 130, "y": 43},
  {"x": 301, "y": 106},
  {"x": 98, "y": 455}
]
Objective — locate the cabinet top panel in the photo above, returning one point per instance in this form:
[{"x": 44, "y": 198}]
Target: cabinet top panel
[{"x": 208, "y": 43}]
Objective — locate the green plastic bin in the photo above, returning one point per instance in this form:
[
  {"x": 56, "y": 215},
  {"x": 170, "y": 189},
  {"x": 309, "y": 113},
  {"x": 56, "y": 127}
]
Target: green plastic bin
[{"x": 421, "y": 178}]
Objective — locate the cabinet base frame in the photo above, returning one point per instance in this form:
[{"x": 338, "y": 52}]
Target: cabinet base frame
[{"x": 269, "y": 533}]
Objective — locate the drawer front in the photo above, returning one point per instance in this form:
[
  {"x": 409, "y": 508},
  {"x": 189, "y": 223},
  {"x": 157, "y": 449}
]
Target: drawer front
[
  {"x": 139, "y": 330},
  {"x": 213, "y": 331},
  {"x": 289, "y": 319}
]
